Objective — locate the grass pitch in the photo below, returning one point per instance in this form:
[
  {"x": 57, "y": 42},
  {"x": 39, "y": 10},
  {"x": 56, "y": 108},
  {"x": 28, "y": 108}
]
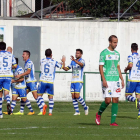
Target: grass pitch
[{"x": 64, "y": 126}]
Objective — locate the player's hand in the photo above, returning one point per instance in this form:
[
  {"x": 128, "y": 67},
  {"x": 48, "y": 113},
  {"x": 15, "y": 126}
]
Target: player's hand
[
  {"x": 13, "y": 81},
  {"x": 63, "y": 58},
  {"x": 122, "y": 84},
  {"x": 125, "y": 70},
  {"x": 72, "y": 58},
  {"x": 105, "y": 84},
  {"x": 18, "y": 76}
]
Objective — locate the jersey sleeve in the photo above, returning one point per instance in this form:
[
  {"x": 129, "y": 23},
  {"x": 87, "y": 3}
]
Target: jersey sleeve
[
  {"x": 69, "y": 66},
  {"x": 58, "y": 65},
  {"x": 20, "y": 71},
  {"x": 29, "y": 65},
  {"x": 83, "y": 62},
  {"x": 130, "y": 59},
  {"x": 102, "y": 58},
  {"x": 119, "y": 60},
  {"x": 13, "y": 61}
]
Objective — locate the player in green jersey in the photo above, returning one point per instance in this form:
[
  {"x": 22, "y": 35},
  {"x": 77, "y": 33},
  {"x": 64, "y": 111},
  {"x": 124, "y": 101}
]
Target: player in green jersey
[{"x": 110, "y": 72}]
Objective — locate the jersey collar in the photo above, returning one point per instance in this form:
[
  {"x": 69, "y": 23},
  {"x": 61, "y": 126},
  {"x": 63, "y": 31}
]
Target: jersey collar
[
  {"x": 48, "y": 58},
  {"x": 17, "y": 67},
  {"x": 79, "y": 59},
  {"x": 134, "y": 53},
  {"x": 3, "y": 51},
  {"x": 27, "y": 60}
]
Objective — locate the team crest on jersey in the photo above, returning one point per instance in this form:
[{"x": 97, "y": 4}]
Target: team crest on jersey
[
  {"x": 109, "y": 92},
  {"x": 109, "y": 56}
]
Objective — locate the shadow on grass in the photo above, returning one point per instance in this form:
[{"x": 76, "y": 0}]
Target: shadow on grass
[
  {"x": 125, "y": 117},
  {"x": 92, "y": 124}
]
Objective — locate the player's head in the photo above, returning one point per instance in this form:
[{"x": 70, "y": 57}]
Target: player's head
[
  {"x": 113, "y": 41},
  {"x": 79, "y": 53},
  {"x": 134, "y": 47},
  {"x": 2, "y": 46},
  {"x": 26, "y": 55},
  {"x": 48, "y": 53},
  {"x": 9, "y": 49},
  {"x": 16, "y": 60}
]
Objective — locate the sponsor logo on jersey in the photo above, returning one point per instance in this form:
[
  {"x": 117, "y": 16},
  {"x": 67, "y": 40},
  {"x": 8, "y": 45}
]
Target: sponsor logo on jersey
[
  {"x": 109, "y": 57},
  {"x": 118, "y": 90},
  {"x": 109, "y": 92}
]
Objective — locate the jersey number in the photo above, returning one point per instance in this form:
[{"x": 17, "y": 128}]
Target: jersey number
[
  {"x": 5, "y": 63},
  {"x": 46, "y": 69}
]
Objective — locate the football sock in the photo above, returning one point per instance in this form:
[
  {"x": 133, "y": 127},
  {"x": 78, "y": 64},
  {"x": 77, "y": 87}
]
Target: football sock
[
  {"x": 114, "y": 111},
  {"x": 139, "y": 113},
  {"x": 13, "y": 105},
  {"x": 0, "y": 106},
  {"x": 130, "y": 98},
  {"x": 28, "y": 104},
  {"x": 102, "y": 108},
  {"x": 22, "y": 105},
  {"x": 82, "y": 102},
  {"x": 51, "y": 104},
  {"x": 39, "y": 104},
  {"x": 75, "y": 104},
  {"x": 41, "y": 101},
  {"x": 8, "y": 99}
]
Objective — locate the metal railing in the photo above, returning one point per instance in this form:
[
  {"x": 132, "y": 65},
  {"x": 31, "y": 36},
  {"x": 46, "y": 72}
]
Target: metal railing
[
  {"x": 44, "y": 9},
  {"x": 84, "y": 79}
]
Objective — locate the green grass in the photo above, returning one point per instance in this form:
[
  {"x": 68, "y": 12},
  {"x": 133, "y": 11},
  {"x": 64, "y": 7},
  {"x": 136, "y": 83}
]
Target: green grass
[{"x": 64, "y": 126}]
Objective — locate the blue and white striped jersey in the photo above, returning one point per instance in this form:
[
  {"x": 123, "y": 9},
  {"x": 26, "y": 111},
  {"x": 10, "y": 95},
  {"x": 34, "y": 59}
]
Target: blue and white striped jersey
[
  {"x": 77, "y": 71},
  {"x": 30, "y": 77},
  {"x": 134, "y": 73},
  {"x": 6, "y": 62},
  {"x": 19, "y": 85},
  {"x": 47, "y": 68}
]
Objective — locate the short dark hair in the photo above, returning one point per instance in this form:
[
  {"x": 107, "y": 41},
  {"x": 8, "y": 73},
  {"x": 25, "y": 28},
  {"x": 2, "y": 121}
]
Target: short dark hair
[
  {"x": 110, "y": 38},
  {"x": 48, "y": 52},
  {"x": 28, "y": 52},
  {"x": 134, "y": 46},
  {"x": 79, "y": 51},
  {"x": 16, "y": 60},
  {"x": 2, "y": 45}
]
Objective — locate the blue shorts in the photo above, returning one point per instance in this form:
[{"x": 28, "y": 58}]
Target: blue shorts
[
  {"x": 132, "y": 87},
  {"x": 32, "y": 86},
  {"x": 20, "y": 92},
  {"x": 5, "y": 83},
  {"x": 76, "y": 87},
  {"x": 45, "y": 88}
]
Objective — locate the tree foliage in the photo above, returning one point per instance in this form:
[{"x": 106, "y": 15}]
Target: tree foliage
[{"x": 100, "y": 8}]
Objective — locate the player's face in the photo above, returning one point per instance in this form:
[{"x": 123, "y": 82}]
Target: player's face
[
  {"x": 25, "y": 56},
  {"x": 9, "y": 49},
  {"x": 78, "y": 54},
  {"x": 113, "y": 43}
]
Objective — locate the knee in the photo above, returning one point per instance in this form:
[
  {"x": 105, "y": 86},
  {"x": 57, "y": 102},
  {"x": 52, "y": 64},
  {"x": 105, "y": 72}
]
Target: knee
[
  {"x": 76, "y": 96},
  {"x": 115, "y": 100},
  {"x": 108, "y": 102}
]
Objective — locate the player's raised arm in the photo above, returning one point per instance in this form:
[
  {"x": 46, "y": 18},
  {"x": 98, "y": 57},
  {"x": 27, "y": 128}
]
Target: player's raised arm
[
  {"x": 63, "y": 65},
  {"x": 76, "y": 61}
]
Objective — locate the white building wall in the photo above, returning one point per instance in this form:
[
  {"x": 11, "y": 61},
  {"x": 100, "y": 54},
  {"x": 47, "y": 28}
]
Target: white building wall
[{"x": 64, "y": 37}]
